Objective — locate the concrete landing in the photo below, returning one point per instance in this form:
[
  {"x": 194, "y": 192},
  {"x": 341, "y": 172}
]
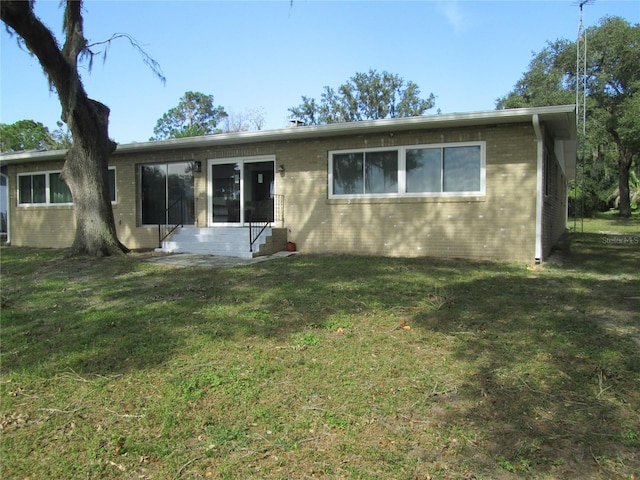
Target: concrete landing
[{"x": 211, "y": 261}]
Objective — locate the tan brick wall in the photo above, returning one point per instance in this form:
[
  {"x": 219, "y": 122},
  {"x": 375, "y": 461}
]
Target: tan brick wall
[{"x": 500, "y": 225}]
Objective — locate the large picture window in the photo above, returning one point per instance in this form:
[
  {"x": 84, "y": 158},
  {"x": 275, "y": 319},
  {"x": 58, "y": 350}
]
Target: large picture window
[
  {"x": 365, "y": 173},
  {"x": 444, "y": 169},
  {"x": 48, "y": 188},
  {"x": 424, "y": 170},
  {"x": 167, "y": 193}
]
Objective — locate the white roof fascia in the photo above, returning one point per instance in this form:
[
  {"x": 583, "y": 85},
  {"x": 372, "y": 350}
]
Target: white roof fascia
[
  {"x": 561, "y": 119},
  {"x": 31, "y": 156}
]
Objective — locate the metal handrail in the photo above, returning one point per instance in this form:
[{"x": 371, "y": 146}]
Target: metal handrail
[
  {"x": 167, "y": 228},
  {"x": 277, "y": 215},
  {"x": 256, "y": 227}
]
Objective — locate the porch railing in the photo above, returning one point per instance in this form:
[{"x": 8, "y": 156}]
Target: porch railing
[
  {"x": 174, "y": 218},
  {"x": 270, "y": 211}
]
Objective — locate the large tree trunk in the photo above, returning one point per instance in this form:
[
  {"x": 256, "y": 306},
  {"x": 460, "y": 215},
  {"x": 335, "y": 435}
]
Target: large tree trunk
[
  {"x": 86, "y": 167},
  {"x": 624, "y": 165},
  {"x": 625, "y": 156},
  {"x": 86, "y": 173}
]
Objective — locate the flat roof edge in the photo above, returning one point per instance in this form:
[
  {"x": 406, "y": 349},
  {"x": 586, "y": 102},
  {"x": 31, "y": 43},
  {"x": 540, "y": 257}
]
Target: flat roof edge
[{"x": 451, "y": 120}]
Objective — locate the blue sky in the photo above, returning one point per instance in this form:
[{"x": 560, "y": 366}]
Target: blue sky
[{"x": 267, "y": 54}]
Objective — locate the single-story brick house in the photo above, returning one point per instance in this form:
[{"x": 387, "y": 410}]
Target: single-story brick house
[{"x": 490, "y": 185}]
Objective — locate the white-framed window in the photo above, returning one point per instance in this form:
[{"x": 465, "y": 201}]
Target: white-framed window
[
  {"x": 47, "y": 188},
  {"x": 452, "y": 169}
]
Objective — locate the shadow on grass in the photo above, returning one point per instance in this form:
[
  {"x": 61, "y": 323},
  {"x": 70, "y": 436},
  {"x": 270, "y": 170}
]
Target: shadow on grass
[
  {"x": 78, "y": 314},
  {"x": 113, "y": 315},
  {"x": 544, "y": 362},
  {"x": 552, "y": 361}
]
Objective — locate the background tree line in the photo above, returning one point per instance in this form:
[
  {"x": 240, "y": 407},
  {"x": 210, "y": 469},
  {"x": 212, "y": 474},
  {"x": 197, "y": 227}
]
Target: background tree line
[
  {"x": 31, "y": 135},
  {"x": 611, "y": 150}
]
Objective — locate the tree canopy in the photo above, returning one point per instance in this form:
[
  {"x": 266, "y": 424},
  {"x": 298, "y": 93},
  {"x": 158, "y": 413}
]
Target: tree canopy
[
  {"x": 546, "y": 82},
  {"x": 365, "y": 96},
  {"x": 194, "y": 115},
  {"x": 613, "y": 105},
  {"x": 31, "y": 135},
  {"x": 25, "y": 135}
]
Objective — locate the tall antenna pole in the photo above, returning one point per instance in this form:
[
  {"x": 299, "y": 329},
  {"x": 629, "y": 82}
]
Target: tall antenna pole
[
  {"x": 581, "y": 101},
  {"x": 581, "y": 74}
]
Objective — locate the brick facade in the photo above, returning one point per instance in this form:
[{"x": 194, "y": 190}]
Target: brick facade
[{"x": 498, "y": 225}]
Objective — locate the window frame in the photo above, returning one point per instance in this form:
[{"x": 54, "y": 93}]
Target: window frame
[
  {"x": 402, "y": 172},
  {"x": 364, "y": 170},
  {"x": 140, "y": 191},
  {"x": 47, "y": 189},
  {"x": 31, "y": 176}
]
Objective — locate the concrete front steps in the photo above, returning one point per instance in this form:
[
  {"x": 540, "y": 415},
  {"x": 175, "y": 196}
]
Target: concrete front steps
[{"x": 225, "y": 241}]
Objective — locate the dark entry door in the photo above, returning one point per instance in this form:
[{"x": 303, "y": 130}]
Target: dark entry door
[
  {"x": 258, "y": 191},
  {"x": 225, "y": 179}
]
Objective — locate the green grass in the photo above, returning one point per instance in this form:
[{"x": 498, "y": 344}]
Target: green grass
[
  {"x": 607, "y": 223},
  {"x": 322, "y": 367}
]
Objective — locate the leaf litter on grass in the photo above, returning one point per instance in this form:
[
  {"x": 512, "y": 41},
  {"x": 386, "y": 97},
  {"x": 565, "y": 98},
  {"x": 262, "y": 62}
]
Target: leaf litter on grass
[{"x": 303, "y": 367}]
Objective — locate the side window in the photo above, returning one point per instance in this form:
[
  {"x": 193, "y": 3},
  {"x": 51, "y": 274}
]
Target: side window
[
  {"x": 112, "y": 185},
  {"x": 58, "y": 190},
  {"x": 32, "y": 189},
  {"x": 348, "y": 174},
  {"x": 423, "y": 170},
  {"x": 365, "y": 173},
  {"x": 48, "y": 188},
  {"x": 462, "y": 167}
]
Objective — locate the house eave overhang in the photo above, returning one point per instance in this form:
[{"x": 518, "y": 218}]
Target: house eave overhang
[{"x": 560, "y": 121}]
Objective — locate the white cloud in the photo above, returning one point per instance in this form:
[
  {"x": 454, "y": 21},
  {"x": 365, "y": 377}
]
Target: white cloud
[{"x": 453, "y": 13}]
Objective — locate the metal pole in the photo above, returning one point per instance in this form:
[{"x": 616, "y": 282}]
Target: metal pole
[
  {"x": 581, "y": 110},
  {"x": 584, "y": 121}
]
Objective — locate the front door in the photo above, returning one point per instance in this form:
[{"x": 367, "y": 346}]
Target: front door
[
  {"x": 241, "y": 191},
  {"x": 258, "y": 192},
  {"x": 225, "y": 181}
]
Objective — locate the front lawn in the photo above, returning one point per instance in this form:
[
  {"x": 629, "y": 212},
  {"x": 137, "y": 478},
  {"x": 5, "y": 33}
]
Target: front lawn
[
  {"x": 607, "y": 223},
  {"x": 322, "y": 367}
]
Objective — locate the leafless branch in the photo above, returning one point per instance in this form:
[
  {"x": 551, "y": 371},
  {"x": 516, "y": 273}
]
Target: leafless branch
[
  {"x": 149, "y": 61},
  {"x": 56, "y": 410},
  {"x": 126, "y": 415},
  {"x": 179, "y": 474}
]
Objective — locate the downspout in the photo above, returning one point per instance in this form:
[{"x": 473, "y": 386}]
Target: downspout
[
  {"x": 7, "y": 199},
  {"x": 539, "y": 187}
]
